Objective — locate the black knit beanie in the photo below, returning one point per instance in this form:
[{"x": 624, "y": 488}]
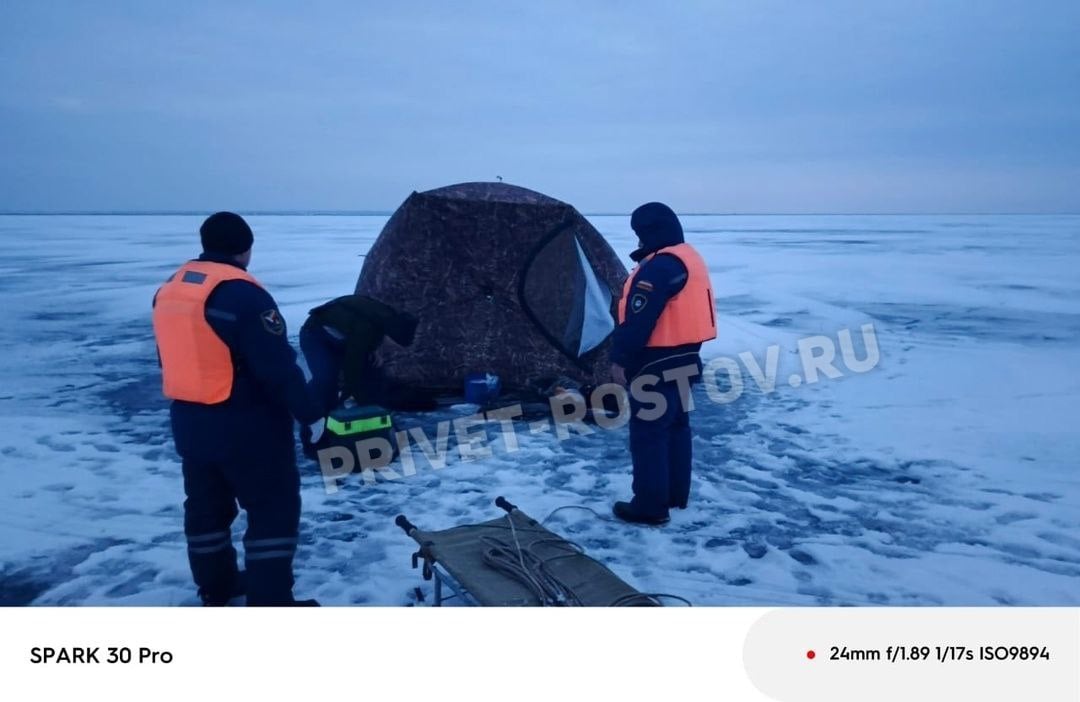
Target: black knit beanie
[{"x": 226, "y": 233}]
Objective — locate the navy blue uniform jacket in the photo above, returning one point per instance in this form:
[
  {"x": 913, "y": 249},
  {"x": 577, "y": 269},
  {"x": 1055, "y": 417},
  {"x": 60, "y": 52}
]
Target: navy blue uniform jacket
[
  {"x": 656, "y": 282},
  {"x": 269, "y": 389}
]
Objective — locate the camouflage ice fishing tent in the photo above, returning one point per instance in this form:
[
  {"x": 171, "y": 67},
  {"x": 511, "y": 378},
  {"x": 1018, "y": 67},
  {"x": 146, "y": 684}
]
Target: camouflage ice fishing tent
[{"x": 504, "y": 280}]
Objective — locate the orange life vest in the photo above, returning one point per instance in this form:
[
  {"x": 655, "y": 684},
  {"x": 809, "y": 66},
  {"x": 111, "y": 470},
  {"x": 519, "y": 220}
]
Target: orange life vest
[
  {"x": 689, "y": 316},
  {"x": 196, "y": 365}
]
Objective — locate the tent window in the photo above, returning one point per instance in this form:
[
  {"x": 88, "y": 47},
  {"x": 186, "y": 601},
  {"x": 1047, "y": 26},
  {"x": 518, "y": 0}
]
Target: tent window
[
  {"x": 596, "y": 323},
  {"x": 565, "y": 298}
]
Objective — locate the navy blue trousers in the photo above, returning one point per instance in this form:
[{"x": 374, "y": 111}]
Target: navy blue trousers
[
  {"x": 252, "y": 471},
  {"x": 661, "y": 449},
  {"x": 324, "y": 355}
]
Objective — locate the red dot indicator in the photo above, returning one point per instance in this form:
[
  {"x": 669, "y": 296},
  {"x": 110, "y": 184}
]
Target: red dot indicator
[{"x": 810, "y": 655}]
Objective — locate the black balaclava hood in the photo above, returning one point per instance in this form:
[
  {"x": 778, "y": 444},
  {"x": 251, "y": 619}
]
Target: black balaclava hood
[
  {"x": 226, "y": 233},
  {"x": 657, "y": 226}
]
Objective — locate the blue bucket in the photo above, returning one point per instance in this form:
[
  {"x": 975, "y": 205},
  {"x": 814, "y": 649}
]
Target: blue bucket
[{"x": 481, "y": 388}]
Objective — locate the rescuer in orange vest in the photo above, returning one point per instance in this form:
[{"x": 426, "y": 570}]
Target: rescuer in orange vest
[
  {"x": 235, "y": 388},
  {"x": 666, "y": 311}
]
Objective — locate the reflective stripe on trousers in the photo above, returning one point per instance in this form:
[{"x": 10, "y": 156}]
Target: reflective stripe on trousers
[
  {"x": 261, "y": 549},
  {"x": 209, "y": 543}
]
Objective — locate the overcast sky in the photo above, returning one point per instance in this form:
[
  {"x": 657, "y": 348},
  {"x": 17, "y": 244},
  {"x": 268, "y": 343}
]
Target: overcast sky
[{"x": 751, "y": 106}]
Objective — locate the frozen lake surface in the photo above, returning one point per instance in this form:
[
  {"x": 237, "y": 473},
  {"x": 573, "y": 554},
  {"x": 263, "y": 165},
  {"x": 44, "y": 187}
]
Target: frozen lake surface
[{"x": 948, "y": 474}]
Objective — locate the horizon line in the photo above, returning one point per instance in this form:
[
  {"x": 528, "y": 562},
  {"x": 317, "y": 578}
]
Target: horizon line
[{"x": 387, "y": 213}]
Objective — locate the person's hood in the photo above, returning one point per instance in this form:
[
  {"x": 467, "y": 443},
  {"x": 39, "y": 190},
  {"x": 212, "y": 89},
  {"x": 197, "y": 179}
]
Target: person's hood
[
  {"x": 657, "y": 226},
  {"x": 402, "y": 328}
]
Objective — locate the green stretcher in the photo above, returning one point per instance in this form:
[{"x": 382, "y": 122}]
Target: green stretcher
[{"x": 513, "y": 561}]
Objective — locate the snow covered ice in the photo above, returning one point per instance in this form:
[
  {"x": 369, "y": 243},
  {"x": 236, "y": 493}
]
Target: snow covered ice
[{"x": 947, "y": 475}]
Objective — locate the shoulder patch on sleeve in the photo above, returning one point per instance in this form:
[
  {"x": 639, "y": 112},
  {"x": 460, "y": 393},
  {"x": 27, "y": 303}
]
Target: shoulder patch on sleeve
[
  {"x": 638, "y": 302},
  {"x": 272, "y": 321}
]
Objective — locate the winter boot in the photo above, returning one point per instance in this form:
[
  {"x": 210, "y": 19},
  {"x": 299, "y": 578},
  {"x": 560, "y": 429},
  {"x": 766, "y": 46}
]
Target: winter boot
[{"x": 628, "y": 513}]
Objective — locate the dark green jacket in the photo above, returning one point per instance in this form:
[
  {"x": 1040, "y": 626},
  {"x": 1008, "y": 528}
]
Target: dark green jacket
[{"x": 363, "y": 322}]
